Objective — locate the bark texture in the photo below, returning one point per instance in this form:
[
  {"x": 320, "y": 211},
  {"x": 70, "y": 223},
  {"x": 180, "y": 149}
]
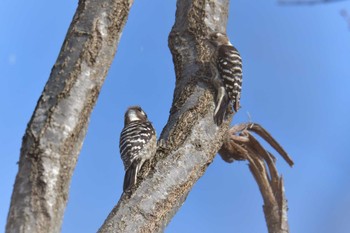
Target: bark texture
[
  {"x": 191, "y": 136},
  {"x": 56, "y": 131}
]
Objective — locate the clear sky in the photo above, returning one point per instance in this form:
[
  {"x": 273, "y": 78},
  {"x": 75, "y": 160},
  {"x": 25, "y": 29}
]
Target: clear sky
[{"x": 296, "y": 84}]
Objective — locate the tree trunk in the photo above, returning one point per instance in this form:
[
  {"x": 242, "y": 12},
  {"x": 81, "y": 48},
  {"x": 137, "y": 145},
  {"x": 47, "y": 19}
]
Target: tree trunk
[
  {"x": 56, "y": 131},
  {"x": 191, "y": 136}
]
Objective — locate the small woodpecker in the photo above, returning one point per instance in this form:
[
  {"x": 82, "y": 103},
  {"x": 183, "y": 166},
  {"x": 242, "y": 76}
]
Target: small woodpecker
[
  {"x": 137, "y": 143},
  {"x": 228, "y": 78}
]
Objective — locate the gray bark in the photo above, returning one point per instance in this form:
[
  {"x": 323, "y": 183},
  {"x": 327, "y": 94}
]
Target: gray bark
[
  {"x": 56, "y": 131},
  {"x": 191, "y": 136}
]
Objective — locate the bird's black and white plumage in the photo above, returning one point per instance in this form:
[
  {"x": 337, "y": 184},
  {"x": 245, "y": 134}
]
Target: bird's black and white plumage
[
  {"x": 137, "y": 143},
  {"x": 228, "y": 80}
]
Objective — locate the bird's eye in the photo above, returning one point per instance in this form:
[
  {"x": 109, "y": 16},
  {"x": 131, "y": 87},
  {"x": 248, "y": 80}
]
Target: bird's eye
[
  {"x": 142, "y": 112},
  {"x": 214, "y": 36}
]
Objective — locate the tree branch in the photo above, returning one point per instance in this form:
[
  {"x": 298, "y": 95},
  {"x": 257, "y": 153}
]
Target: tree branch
[
  {"x": 56, "y": 131},
  {"x": 192, "y": 139},
  {"x": 244, "y": 146}
]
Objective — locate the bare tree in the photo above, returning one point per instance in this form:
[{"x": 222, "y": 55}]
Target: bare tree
[{"x": 190, "y": 139}]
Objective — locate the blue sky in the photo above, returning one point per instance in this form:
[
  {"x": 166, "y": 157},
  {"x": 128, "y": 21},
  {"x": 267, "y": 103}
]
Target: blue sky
[{"x": 296, "y": 84}]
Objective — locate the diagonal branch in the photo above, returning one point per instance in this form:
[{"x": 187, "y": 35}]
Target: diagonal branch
[
  {"x": 56, "y": 131},
  {"x": 191, "y": 136}
]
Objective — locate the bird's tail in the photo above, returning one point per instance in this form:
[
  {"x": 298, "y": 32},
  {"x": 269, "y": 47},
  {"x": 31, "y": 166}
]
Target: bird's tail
[
  {"x": 220, "y": 110},
  {"x": 130, "y": 176}
]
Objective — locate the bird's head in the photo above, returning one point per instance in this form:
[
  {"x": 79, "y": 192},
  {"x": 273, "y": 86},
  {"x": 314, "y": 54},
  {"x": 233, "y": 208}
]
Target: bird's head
[
  {"x": 218, "y": 38},
  {"x": 134, "y": 113}
]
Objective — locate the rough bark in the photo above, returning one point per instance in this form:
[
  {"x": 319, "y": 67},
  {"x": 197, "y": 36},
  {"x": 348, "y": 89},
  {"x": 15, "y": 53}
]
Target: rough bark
[
  {"x": 192, "y": 139},
  {"x": 55, "y": 133}
]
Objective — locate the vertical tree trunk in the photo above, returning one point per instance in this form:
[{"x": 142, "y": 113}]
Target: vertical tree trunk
[
  {"x": 56, "y": 131},
  {"x": 191, "y": 136}
]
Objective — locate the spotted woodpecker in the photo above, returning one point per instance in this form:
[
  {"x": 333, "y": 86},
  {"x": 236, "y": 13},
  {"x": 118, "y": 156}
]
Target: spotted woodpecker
[
  {"x": 228, "y": 78},
  {"x": 137, "y": 143}
]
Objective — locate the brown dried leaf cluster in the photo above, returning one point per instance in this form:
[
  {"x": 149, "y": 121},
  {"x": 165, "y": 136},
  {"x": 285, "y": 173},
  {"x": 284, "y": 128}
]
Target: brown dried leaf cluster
[{"x": 240, "y": 144}]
